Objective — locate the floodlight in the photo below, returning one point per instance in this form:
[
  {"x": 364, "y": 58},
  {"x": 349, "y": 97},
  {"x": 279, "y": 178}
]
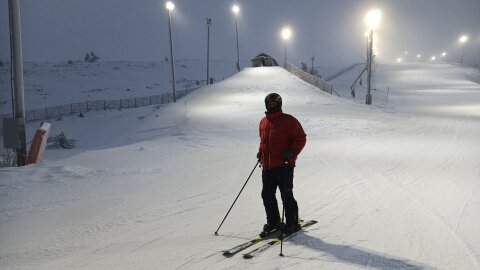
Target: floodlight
[
  {"x": 373, "y": 18},
  {"x": 286, "y": 33},
  {"x": 170, "y": 5},
  {"x": 235, "y": 9}
]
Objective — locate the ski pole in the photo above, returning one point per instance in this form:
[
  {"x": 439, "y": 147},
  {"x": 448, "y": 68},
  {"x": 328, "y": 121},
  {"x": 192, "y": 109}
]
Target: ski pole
[
  {"x": 283, "y": 203},
  {"x": 216, "y": 232}
]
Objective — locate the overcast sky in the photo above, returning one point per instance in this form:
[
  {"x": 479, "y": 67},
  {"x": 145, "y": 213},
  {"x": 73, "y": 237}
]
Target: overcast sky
[{"x": 330, "y": 30}]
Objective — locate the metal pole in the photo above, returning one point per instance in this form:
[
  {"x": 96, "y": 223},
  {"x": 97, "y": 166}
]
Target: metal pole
[
  {"x": 238, "y": 52},
  {"x": 285, "y": 56},
  {"x": 17, "y": 78},
  {"x": 367, "y": 47},
  {"x": 209, "y": 22},
  {"x": 216, "y": 232},
  {"x": 171, "y": 56},
  {"x": 369, "y": 78},
  {"x": 462, "y": 54}
]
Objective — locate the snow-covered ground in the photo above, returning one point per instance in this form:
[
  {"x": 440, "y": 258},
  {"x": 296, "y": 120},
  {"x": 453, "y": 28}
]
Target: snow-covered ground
[
  {"x": 393, "y": 185},
  {"x": 59, "y": 83}
]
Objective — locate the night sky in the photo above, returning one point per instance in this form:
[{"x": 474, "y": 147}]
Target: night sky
[{"x": 331, "y": 30}]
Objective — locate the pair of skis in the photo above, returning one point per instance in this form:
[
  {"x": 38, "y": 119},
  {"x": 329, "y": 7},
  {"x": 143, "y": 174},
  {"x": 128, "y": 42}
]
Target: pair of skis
[{"x": 275, "y": 237}]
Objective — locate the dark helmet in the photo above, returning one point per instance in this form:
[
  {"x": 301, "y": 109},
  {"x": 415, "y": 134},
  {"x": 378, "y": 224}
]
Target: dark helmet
[{"x": 274, "y": 96}]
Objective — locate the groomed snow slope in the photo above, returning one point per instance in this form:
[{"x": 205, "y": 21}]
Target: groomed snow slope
[{"x": 392, "y": 186}]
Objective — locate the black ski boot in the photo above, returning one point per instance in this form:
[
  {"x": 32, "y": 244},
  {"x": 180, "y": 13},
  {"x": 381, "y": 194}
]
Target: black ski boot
[
  {"x": 291, "y": 228},
  {"x": 268, "y": 228}
]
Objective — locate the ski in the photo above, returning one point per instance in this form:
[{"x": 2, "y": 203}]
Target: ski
[
  {"x": 236, "y": 249},
  {"x": 275, "y": 241}
]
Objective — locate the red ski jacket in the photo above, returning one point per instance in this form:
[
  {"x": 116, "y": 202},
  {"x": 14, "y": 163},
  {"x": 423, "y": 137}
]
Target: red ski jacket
[{"x": 279, "y": 132}]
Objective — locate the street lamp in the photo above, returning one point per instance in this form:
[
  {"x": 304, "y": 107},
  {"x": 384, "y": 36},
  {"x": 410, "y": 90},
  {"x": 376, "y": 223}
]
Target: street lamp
[
  {"x": 235, "y": 10},
  {"x": 170, "y": 6},
  {"x": 462, "y": 40},
  {"x": 286, "y": 34},
  {"x": 209, "y": 23},
  {"x": 372, "y": 20}
]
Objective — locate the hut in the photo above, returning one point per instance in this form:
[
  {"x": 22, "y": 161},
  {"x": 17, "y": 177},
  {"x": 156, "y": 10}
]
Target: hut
[{"x": 264, "y": 60}]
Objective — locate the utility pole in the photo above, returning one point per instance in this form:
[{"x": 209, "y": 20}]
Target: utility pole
[
  {"x": 170, "y": 7},
  {"x": 368, "y": 100},
  {"x": 17, "y": 79},
  {"x": 209, "y": 23},
  {"x": 373, "y": 20},
  {"x": 238, "y": 50}
]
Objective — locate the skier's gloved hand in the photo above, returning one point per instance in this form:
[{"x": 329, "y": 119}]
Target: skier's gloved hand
[
  {"x": 288, "y": 154},
  {"x": 259, "y": 156}
]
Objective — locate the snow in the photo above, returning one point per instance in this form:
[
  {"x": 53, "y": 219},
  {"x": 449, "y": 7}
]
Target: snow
[
  {"x": 393, "y": 185},
  {"x": 47, "y": 83}
]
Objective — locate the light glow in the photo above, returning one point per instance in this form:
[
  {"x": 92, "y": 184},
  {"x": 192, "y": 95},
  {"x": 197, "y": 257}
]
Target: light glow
[
  {"x": 235, "y": 9},
  {"x": 170, "y": 5},
  {"x": 286, "y": 33},
  {"x": 373, "y": 18},
  {"x": 463, "y": 39}
]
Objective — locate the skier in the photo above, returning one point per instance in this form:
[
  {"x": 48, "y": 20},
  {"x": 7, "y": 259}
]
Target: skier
[{"x": 281, "y": 140}]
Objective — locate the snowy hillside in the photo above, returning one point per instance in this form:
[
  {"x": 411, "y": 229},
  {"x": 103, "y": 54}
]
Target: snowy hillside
[
  {"x": 51, "y": 84},
  {"x": 392, "y": 186}
]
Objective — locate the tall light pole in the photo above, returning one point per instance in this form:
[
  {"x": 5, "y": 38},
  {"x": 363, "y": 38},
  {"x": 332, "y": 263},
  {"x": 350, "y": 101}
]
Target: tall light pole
[
  {"x": 368, "y": 98},
  {"x": 462, "y": 41},
  {"x": 17, "y": 80},
  {"x": 209, "y": 23},
  {"x": 286, "y": 34},
  {"x": 373, "y": 20},
  {"x": 235, "y": 10},
  {"x": 170, "y": 6}
]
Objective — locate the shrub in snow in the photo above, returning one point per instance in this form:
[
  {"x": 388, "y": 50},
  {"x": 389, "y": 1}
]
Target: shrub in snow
[
  {"x": 93, "y": 57},
  {"x": 90, "y": 57},
  {"x": 304, "y": 67},
  {"x": 8, "y": 158},
  {"x": 313, "y": 71}
]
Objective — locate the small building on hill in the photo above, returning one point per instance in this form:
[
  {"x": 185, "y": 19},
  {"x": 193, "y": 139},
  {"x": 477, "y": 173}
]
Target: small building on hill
[{"x": 264, "y": 60}]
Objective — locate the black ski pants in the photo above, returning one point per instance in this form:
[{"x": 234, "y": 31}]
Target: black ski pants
[{"x": 281, "y": 177}]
